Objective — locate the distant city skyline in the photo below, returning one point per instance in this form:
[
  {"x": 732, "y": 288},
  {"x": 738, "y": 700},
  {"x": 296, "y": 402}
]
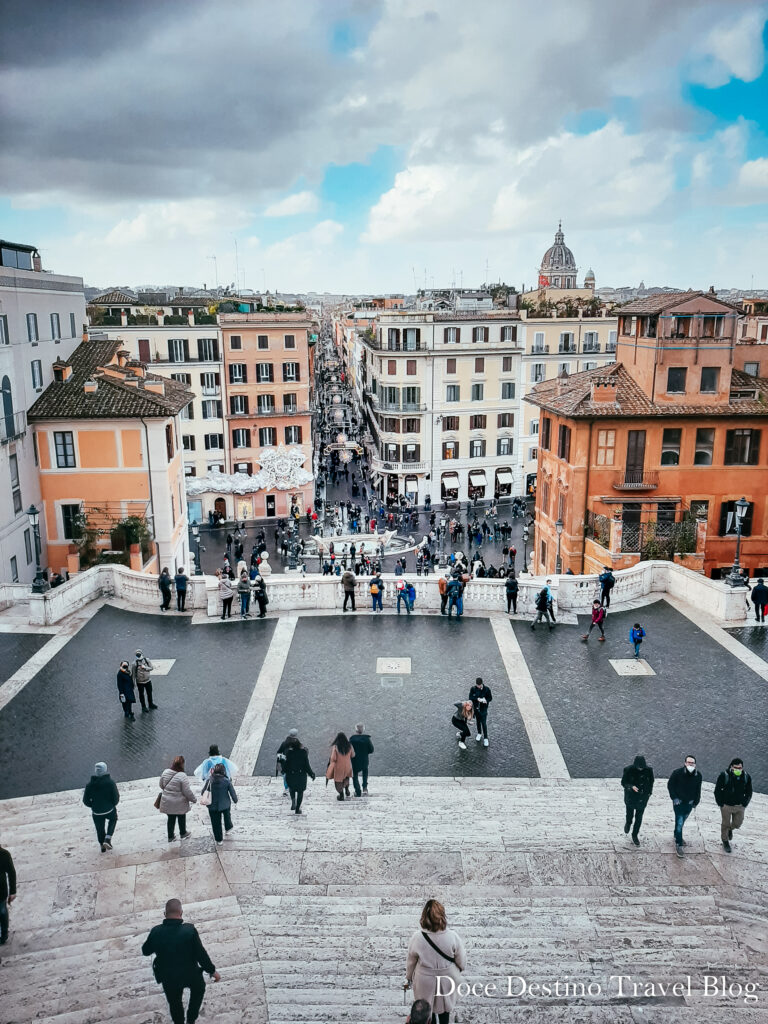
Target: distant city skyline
[{"x": 376, "y": 146}]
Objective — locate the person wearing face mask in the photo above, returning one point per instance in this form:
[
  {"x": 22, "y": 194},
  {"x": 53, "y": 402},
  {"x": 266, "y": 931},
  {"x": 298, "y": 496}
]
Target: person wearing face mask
[
  {"x": 637, "y": 780},
  {"x": 684, "y": 788},
  {"x": 733, "y": 791}
]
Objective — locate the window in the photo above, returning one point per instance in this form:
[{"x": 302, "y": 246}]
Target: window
[
  {"x": 267, "y": 437},
  {"x": 533, "y": 453},
  {"x": 509, "y": 333},
  {"x": 14, "y": 570},
  {"x": 391, "y": 424},
  {"x": 391, "y": 367},
  {"x": 477, "y": 449},
  {"x": 450, "y": 366},
  {"x": 742, "y": 447},
  {"x": 477, "y": 392},
  {"x": 410, "y": 367},
  {"x": 712, "y": 326},
  {"x": 290, "y": 404},
  {"x": 392, "y": 452},
  {"x": 215, "y": 467},
  {"x": 182, "y": 378},
  {"x": 611, "y": 346},
  {"x": 241, "y": 438},
  {"x": 543, "y": 552},
  {"x": 411, "y": 453},
  {"x": 728, "y": 519},
  {"x": 705, "y": 446},
  {"x": 534, "y": 428},
  {"x": 676, "y": 380},
  {"x": 753, "y": 369},
  {"x": 213, "y": 442},
  {"x": 504, "y": 446},
  {"x": 32, "y": 334},
  {"x": 4, "y": 336},
  {"x": 263, "y": 341},
  {"x": 670, "y": 446},
  {"x": 289, "y": 341},
  {"x": 210, "y": 382},
  {"x": 411, "y": 398},
  {"x": 291, "y": 372},
  {"x": 450, "y": 422},
  {"x": 589, "y": 366},
  {"x": 480, "y": 365},
  {"x": 710, "y": 378},
  {"x": 265, "y": 373},
  {"x": 169, "y": 449},
  {"x": 188, "y": 442},
  {"x": 451, "y": 336},
  {"x": 188, "y": 412},
  {"x": 72, "y": 326},
  {"x": 606, "y": 446},
  {"x": 538, "y": 342},
  {"x": 178, "y": 350},
  {"x": 700, "y": 509},
  {"x": 207, "y": 350},
  {"x": 412, "y": 339},
  {"x": 567, "y": 342},
  {"x": 265, "y": 403},
  {"x": 238, "y": 405},
  {"x": 546, "y": 433},
  {"x": 243, "y": 467},
  {"x": 64, "y": 442},
  {"x": 508, "y": 389},
  {"x": 13, "y": 464},
  {"x": 506, "y": 364},
  {"x": 37, "y": 374},
  {"x": 411, "y": 426},
  {"x": 55, "y": 326},
  {"x": 238, "y": 373},
  {"x": 393, "y": 339},
  {"x": 505, "y": 419},
  {"x": 293, "y": 435},
  {"x": 453, "y": 393},
  {"x": 563, "y": 368},
  {"x": 590, "y": 341},
  {"x": 28, "y": 546},
  {"x": 212, "y": 409},
  {"x": 235, "y": 342},
  {"x": 477, "y": 422},
  {"x": 450, "y": 449},
  {"x": 189, "y": 470},
  {"x": 537, "y": 373},
  {"x": 564, "y": 443},
  {"x": 390, "y": 398},
  {"x": 479, "y": 334}
]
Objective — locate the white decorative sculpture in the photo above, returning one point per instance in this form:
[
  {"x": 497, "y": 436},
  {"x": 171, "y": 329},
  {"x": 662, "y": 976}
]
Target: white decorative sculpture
[{"x": 281, "y": 470}]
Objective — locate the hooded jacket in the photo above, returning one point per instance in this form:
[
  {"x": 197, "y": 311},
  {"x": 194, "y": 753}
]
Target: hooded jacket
[
  {"x": 101, "y": 794},
  {"x": 362, "y": 748},
  {"x": 640, "y": 775},
  {"x": 733, "y": 790}
]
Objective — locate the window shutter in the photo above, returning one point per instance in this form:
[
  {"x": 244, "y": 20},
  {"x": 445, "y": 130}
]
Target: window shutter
[
  {"x": 418, "y": 337},
  {"x": 445, "y": 335},
  {"x": 171, "y": 352},
  {"x": 191, "y": 410},
  {"x": 458, "y": 335},
  {"x": 207, "y": 443}
]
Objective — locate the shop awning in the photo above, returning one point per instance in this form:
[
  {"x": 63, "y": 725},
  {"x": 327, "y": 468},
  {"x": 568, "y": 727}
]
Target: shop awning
[
  {"x": 412, "y": 480},
  {"x": 450, "y": 479},
  {"x": 477, "y": 478},
  {"x": 504, "y": 476}
]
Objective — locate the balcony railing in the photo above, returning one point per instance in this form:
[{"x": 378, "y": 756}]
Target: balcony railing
[
  {"x": 256, "y": 414},
  {"x": 571, "y": 349},
  {"x": 591, "y": 346},
  {"x": 382, "y": 466},
  {"x": 540, "y": 350},
  {"x": 213, "y": 392},
  {"x": 401, "y": 407},
  {"x": 610, "y": 346},
  {"x": 636, "y": 480},
  {"x": 12, "y": 426}
]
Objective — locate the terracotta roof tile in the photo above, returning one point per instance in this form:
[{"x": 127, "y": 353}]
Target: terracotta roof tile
[
  {"x": 660, "y": 301},
  {"x": 114, "y": 298}
]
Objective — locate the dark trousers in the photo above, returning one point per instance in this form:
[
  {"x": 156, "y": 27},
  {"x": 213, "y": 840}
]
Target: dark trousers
[
  {"x": 127, "y": 706},
  {"x": 145, "y": 694},
  {"x": 3, "y": 920},
  {"x": 296, "y": 797},
  {"x": 512, "y": 600},
  {"x": 262, "y": 603},
  {"x": 461, "y": 725},
  {"x": 402, "y": 596},
  {"x": 349, "y": 595},
  {"x": 443, "y": 603},
  {"x": 166, "y": 599},
  {"x": 172, "y": 824},
  {"x": 216, "y": 817},
  {"x": 682, "y": 810},
  {"x": 245, "y": 602},
  {"x": 481, "y": 717},
  {"x": 181, "y": 597},
  {"x": 599, "y": 626},
  {"x": 760, "y": 612},
  {"x": 441, "y": 1018},
  {"x": 356, "y": 773},
  {"x": 605, "y": 597},
  {"x": 174, "y": 992},
  {"x": 635, "y": 812},
  {"x": 105, "y": 824},
  {"x": 226, "y": 608}
]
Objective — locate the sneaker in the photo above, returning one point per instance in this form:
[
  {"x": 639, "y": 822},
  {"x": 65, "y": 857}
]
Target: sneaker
[
  {"x": 727, "y": 846},
  {"x": 458, "y": 735},
  {"x": 365, "y": 792},
  {"x": 601, "y": 639},
  {"x": 340, "y": 796},
  {"x": 485, "y": 742},
  {"x": 171, "y": 839},
  {"x": 730, "y": 833},
  {"x": 185, "y": 835},
  {"x": 103, "y": 847},
  {"x": 298, "y": 810},
  {"x": 462, "y": 746},
  {"x": 228, "y": 830},
  {"x": 627, "y": 828},
  {"x": 635, "y": 840},
  {"x": 678, "y": 850},
  {"x": 479, "y": 737},
  {"x": 153, "y": 707},
  {"x": 219, "y": 842},
  {"x": 108, "y": 842},
  {"x": 585, "y": 637}
]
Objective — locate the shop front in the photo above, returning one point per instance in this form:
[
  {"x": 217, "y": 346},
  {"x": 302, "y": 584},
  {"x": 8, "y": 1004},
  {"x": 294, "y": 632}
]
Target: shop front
[
  {"x": 504, "y": 481},
  {"x": 477, "y": 484}
]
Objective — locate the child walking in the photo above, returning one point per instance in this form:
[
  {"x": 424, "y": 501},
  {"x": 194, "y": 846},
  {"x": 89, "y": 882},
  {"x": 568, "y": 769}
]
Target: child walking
[{"x": 636, "y": 637}]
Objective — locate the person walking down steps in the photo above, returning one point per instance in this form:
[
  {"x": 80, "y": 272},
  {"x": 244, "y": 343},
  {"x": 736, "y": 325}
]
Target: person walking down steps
[
  {"x": 102, "y": 797},
  {"x": 220, "y": 806}
]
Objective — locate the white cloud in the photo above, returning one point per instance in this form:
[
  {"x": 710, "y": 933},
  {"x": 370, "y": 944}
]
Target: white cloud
[
  {"x": 733, "y": 48},
  {"x": 299, "y": 202},
  {"x": 754, "y": 175}
]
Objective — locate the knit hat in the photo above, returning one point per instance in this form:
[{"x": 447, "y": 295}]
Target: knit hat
[
  {"x": 294, "y": 732},
  {"x": 101, "y": 768}
]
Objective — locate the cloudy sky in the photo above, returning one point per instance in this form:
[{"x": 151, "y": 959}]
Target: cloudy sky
[{"x": 364, "y": 145}]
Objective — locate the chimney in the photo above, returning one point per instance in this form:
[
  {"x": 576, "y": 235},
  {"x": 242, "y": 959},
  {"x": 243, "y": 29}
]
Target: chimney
[
  {"x": 85, "y": 332},
  {"x": 604, "y": 389},
  {"x": 123, "y": 317},
  {"x": 90, "y": 387},
  {"x": 138, "y": 369},
  {"x": 122, "y": 355},
  {"x": 37, "y": 263},
  {"x": 156, "y": 386},
  {"x": 191, "y": 317}
]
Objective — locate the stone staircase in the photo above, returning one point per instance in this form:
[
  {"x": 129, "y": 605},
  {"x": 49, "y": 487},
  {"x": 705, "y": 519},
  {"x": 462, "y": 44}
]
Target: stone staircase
[{"x": 308, "y": 917}]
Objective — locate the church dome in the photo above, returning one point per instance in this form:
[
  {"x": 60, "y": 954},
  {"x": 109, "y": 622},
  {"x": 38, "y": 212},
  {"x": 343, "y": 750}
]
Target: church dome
[{"x": 558, "y": 257}]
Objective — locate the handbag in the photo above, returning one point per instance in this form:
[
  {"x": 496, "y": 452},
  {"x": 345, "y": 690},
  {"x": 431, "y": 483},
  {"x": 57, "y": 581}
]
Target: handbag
[
  {"x": 159, "y": 796},
  {"x": 206, "y": 797}
]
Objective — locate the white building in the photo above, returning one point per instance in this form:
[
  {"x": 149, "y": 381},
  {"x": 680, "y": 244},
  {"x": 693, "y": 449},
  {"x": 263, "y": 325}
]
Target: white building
[{"x": 42, "y": 317}]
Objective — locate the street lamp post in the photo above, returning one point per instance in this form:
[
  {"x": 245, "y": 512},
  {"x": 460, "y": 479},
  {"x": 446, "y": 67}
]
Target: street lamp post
[
  {"x": 196, "y": 535},
  {"x": 735, "y": 579},
  {"x": 40, "y": 584},
  {"x": 525, "y": 547},
  {"x": 558, "y": 560}
]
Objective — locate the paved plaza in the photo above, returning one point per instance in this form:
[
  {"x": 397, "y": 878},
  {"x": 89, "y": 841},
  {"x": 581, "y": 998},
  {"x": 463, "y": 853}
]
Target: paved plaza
[{"x": 308, "y": 918}]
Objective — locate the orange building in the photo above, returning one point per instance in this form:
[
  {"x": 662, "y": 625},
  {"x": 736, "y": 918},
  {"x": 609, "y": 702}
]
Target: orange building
[
  {"x": 107, "y": 440},
  {"x": 752, "y": 349},
  {"x": 267, "y": 377},
  {"x": 646, "y": 458}
]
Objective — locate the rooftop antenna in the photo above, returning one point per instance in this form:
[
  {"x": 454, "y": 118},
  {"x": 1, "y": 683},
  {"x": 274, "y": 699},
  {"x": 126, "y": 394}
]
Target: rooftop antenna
[
  {"x": 486, "y": 271},
  {"x": 216, "y": 269},
  {"x": 237, "y": 267}
]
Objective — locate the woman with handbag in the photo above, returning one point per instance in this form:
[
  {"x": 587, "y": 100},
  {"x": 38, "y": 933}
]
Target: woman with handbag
[
  {"x": 340, "y": 765},
  {"x": 218, "y": 794},
  {"x": 435, "y": 950},
  {"x": 176, "y": 798}
]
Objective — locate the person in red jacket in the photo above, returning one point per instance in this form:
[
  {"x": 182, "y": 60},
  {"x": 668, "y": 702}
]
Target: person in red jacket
[{"x": 598, "y": 618}]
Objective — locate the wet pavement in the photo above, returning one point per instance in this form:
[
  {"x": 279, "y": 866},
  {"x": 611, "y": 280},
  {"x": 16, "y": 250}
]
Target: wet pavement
[{"x": 16, "y": 649}]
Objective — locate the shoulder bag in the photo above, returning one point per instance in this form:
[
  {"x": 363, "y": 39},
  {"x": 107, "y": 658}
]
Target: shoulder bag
[
  {"x": 159, "y": 796},
  {"x": 437, "y": 949},
  {"x": 206, "y": 795}
]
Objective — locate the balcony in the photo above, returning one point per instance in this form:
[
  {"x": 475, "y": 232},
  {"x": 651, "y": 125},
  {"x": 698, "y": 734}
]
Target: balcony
[
  {"x": 212, "y": 392},
  {"x": 636, "y": 480},
  {"x": 569, "y": 348},
  {"x": 402, "y": 407},
  {"x": 258, "y": 414},
  {"x": 381, "y": 466},
  {"x": 12, "y": 426},
  {"x": 591, "y": 347},
  {"x": 610, "y": 346},
  {"x": 540, "y": 350}
]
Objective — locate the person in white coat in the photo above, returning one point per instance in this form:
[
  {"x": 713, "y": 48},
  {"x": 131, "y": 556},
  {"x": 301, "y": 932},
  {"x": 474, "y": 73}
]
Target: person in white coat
[{"x": 435, "y": 953}]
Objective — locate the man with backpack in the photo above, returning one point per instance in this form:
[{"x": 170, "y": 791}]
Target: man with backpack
[
  {"x": 733, "y": 791},
  {"x": 543, "y": 603},
  {"x": 607, "y": 583}
]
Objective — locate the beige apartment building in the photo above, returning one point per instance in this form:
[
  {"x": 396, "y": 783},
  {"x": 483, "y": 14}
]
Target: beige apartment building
[{"x": 441, "y": 394}]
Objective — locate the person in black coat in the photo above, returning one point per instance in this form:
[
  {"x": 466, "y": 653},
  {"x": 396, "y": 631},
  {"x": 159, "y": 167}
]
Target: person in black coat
[
  {"x": 260, "y": 594},
  {"x": 362, "y": 748},
  {"x": 297, "y": 768},
  {"x": 733, "y": 791},
  {"x": 511, "y": 587},
  {"x": 637, "y": 781},
  {"x": 102, "y": 797},
  {"x": 760, "y": 599},
  {"x": 481, "y": 697},
  {"x": 125, "y": 690},
  {"x": 165, "y": 583},
  {"x": 7, "y": 891},
  {"x": 180, "y": 959},
  {"x": 684, "y": 788}
]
